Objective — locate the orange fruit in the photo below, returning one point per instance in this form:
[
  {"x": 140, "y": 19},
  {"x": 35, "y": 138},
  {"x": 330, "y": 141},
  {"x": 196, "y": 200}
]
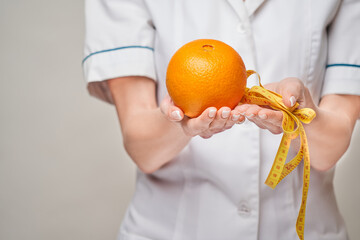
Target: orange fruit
[{"x": 205, "y": 73}]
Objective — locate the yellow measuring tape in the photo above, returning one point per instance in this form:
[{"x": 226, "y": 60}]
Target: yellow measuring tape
[{"x": 292, "y": 128}]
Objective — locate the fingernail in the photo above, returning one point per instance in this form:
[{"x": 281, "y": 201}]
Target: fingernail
[
  {"x": 292, "y": 101},
  {"x": 212, "y": 113},
  {"x": 240, "y": 122},
  {"x": 263, "y": 116},
  {"x": 176, "y": 115},
  {"x": 225, "y": 114},
  {"x": 235, "y": 117},
  {"x": 250, "y": 116}
]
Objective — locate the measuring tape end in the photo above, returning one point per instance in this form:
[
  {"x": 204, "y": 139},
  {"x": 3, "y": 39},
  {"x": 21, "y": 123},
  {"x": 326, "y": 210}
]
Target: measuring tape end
[{"x": 270, "y": 184}]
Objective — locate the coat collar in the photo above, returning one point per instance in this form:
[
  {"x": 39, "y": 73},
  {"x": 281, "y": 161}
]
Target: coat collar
[
  {"x": 247, "y": 7},
  {"x": 253, "y": 5}
]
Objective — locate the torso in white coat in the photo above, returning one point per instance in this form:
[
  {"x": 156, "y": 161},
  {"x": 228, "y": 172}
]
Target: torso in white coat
[{"x": 214, "y": 189}]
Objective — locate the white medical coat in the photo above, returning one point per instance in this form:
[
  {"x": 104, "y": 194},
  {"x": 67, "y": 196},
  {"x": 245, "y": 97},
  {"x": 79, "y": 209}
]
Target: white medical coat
[{"x": 214, "y": 189}]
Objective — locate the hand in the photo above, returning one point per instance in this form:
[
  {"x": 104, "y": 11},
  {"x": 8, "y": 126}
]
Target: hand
[
  {"x": 292, "y": 90},
  {"x": 210, "y": 122}
]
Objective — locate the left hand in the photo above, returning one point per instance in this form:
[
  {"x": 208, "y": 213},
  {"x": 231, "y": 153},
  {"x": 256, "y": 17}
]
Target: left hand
[{"x": 292, "y": 90}]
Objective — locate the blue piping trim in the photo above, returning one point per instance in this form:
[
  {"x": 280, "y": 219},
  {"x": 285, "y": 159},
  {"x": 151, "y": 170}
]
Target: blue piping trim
[
  {"x": 342, "y": 65},
  {"x": 115, "y": 49}
]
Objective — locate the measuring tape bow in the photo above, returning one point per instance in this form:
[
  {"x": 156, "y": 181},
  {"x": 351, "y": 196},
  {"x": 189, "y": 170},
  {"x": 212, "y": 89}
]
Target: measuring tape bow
[{"x": 292, "y": 128}]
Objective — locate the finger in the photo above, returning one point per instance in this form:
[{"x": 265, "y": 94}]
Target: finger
[
  {"x": 275, "y": 129},
  {"x": 292, "y": 90},
  {"x": 258, "y": 122},
  {"x": 175, "y": 114},
  {"x": 271, "y": 86},
  {"x": 170, "y": 111},
  {"x": 269, "y": 119},
  {"x": 241, "y": 120},
  {"x": 206, "y": 135},
  {"x": 220, "y": 120},
  {"x": 265, "y": 118},
  {"x": 196, "y": 126},
  {"x": 264, "y": 124},
  {"x": 252, "y": 111},
  {"x": 235, "y": 117},
  {"x": 242, "y": 108},
  {"x": 272, "y": 116}
]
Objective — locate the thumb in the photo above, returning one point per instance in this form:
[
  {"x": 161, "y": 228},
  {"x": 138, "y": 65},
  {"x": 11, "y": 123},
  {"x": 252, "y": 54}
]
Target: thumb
[
  {"x": 292, "y": 90},
  {"x": 165, "y": 104},
  {"x": 170, "y": 111}
]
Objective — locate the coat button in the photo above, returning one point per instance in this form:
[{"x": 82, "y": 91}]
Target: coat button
[
  {"x": 241, "y": 28},
  {"x": 244, "y": 210}
]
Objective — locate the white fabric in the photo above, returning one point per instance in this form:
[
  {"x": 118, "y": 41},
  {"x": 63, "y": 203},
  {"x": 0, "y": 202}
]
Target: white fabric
[{"x": 214, "y": 189}]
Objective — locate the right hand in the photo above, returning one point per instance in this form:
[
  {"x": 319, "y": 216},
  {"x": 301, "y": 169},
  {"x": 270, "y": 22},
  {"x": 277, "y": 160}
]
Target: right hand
[{"x": 210, "y": 122}]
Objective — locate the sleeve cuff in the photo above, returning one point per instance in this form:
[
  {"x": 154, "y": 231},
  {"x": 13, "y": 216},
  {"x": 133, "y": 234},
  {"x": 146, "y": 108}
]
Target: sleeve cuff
[
  {"x": 342, "y": 79},
  {"x": 113, "y": 63}
]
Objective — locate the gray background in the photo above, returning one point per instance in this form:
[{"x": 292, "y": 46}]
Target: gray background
[{"x": 63, "y": 171}]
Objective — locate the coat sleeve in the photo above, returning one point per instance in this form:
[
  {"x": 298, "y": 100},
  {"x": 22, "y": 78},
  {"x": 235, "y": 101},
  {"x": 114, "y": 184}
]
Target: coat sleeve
[
  {"x": 119, "y": 39},
  {"x": 343, "y": 64}
]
